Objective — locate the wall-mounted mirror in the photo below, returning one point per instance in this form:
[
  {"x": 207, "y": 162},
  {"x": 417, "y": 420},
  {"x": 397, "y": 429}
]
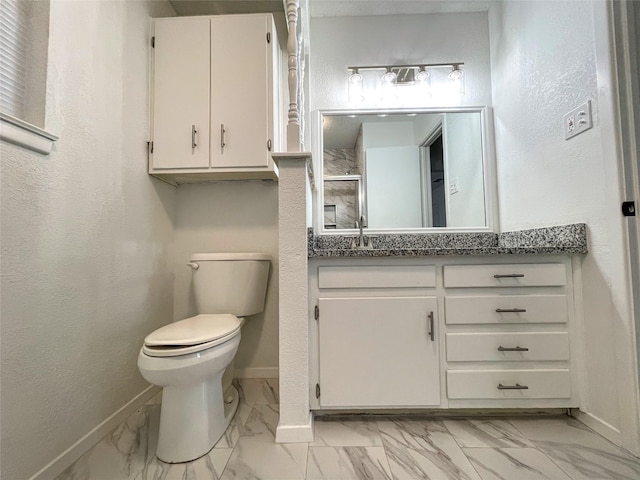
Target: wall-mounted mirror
[{"x": 406, "y": 170}]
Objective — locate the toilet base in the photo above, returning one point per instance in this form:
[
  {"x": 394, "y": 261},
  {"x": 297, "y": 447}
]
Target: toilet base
[
  {"x": 193, "y": 419},
  {"x": 231, "y": 408}
]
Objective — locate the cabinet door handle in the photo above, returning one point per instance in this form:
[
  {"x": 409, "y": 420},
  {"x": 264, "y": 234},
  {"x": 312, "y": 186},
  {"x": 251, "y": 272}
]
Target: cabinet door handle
[
  {"x": 508, "y": 275},
  {"x": 431, "y": 330},
  {"x": 193, "y": 137},
  {"x": 511, "y": 310},
  {"x": 222, "y": 132},
  {"x": 517, "y": 386},
  {"x": 512, "y": 349},
  {"x": 269, "y": 145}
]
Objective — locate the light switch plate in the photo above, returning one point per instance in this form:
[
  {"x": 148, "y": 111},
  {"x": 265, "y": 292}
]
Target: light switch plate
[
  {"x": 577, "y": 120},
  {"x": 453, "y": 186}
]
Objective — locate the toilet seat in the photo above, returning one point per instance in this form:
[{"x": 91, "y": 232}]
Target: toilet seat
[{"x": 191, "y": 335}]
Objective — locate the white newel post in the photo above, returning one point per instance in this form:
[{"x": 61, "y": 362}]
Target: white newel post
[
  {"x": 295, "y": 179},
  {"x": 293, "y": 125},
  {"x": 296, "y": 421}
]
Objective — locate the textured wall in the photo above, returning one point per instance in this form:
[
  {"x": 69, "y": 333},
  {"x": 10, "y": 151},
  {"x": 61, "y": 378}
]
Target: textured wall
[
  {"x": 542, "y": 67},
  {"x": 86, "y": 237},
  {"x": 231, "y": 217},
  {"x": 397, "y": 39},
  {"x": 295, "y": 423}
]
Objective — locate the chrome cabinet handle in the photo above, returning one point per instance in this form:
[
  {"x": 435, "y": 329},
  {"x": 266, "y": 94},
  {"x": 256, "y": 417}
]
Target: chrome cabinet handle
[
  {"x": 193, "y": 137},
  {"x": 511, "y": 310},
  {"x": 512, "y": 349},
  {"x": 431, "y": 330},
  {"x": 222, "y": 132},
  {"x": 509, "y": 275},
  {"x": 517, "y": 386},
  {"x": 195, "y": 266}
]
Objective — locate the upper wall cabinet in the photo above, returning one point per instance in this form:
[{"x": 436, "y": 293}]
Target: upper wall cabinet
[{"x": 216, "y": 111}]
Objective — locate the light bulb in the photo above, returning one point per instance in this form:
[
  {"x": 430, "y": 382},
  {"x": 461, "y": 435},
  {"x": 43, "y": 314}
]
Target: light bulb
[
  {"x": 422, "y": 75},
  {"x": 423, "y": 82},
  {"x": 457, "y": 79},
  {"x": 355, "y": 92},
  {"x": 389, "y": 76},
  {"x": 388, "y": 90}
]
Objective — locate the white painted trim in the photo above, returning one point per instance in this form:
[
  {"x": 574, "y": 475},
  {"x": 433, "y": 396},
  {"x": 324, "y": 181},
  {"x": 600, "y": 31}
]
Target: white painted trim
[
  {"x": 610, "y": 77},
  {"x": 579, "y": 345},
  {"x": 626, "y": 21},
  {"x": 256, "y": 372},
  {"x": 23, "y": 134},
  {"x": 75, "y": 451},
  {"x": 599, "y": 426},
  {"x": 295, "y": 433}
]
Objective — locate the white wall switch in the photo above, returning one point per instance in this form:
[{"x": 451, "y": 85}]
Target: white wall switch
[
  {"x": 453, "y": 186},
  {"x": 577, "y": 120}
]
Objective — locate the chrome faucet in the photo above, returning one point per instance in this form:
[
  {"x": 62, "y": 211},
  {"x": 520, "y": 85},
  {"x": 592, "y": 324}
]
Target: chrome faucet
[
  {"x": 361, "y": 225},
  {"x": 366, "y": 245}
]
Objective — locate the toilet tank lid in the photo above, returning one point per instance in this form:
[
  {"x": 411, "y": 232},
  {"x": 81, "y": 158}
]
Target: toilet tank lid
[{"x": 203, "y": 257}]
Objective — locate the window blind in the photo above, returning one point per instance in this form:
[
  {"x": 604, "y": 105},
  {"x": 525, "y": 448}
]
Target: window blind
[{"x": 13, "y": 52}]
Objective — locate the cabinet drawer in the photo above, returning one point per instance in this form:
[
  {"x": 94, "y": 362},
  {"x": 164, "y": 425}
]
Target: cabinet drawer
[
  {"x": 501, "y": 309},
  {"x": 514, "y": 275},
  {"x": 507, "y": 347},
  {"x": 399, "y": 276},
  {"x": 484, "y": 384}
]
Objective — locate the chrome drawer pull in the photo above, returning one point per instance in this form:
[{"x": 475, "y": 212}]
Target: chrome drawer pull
[
  {"x": 517, "y": 386},
  {"x": 431, "y": 330},
  {"x": 512, "y": 349},
  {"x": 509, "y": 275},
  {"x": 511, "y": 310}
]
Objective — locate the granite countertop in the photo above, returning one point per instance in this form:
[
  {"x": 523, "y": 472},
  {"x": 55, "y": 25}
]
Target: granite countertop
[{"x": 565, "y": 239}]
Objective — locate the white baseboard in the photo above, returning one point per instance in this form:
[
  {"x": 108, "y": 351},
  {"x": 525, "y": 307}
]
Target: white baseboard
[
  {"x": 295, "y": 433},
  {"x": 598, "y": 425},
  {"x": 256, "y": 372},
  {"x": 75, "y": 451}
]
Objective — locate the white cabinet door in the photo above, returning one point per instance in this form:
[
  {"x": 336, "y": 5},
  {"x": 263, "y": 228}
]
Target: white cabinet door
[
  {"x": 181, "y": 88},
  {"x": 379, "y": 352},
  {"x": 240, "y": 86}
]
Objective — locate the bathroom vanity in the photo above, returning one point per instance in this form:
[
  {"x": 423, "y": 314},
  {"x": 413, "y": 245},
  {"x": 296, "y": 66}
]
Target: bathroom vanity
[
  {"x": 423, "y": 304},
  {"x": 446, "y": 320}
]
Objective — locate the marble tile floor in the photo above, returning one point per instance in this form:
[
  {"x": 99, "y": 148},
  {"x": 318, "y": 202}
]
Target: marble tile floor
[{"x": 364, "y": 447}]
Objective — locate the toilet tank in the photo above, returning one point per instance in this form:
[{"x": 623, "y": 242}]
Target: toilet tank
[{"x": 233, "y": 283}]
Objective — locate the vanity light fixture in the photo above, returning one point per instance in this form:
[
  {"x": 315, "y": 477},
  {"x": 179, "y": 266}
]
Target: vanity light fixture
[{"x": 418, "y": 75}]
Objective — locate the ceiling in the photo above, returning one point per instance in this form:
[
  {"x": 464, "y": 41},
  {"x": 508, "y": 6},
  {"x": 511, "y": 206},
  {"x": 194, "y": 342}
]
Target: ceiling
[
  {"x": 339, "y": 8},
  {"x": 330, "y": 8},
  {"x": 341, "y": 131},
  {"x": 221, "y": 7}
]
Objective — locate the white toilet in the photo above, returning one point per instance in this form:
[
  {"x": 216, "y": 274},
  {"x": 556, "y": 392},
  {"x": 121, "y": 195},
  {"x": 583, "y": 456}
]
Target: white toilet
[{"x": 188, "y": 358}]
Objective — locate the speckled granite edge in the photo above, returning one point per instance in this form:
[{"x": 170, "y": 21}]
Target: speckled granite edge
[
  {"x": 565, "y": 239},
  {"x": 565, "y": 236}
]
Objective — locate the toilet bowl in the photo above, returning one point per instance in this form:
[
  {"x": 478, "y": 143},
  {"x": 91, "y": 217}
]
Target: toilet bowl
[{"x": 188, "y": 358}]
